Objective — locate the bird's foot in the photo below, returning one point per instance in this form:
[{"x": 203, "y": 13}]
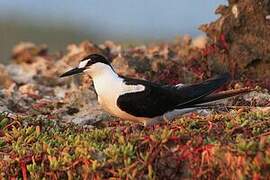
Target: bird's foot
[{"x": 153, "y": 121}]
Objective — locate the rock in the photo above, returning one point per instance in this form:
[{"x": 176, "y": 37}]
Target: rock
[
  {"x": 19, "y": 74},
  {"x": 199, "y": 42},
  {"x": 122, "y": 66},
  {"x": 258, "y": 98},
  {"x": 243, "y": 32},
  {"x": 222, "y": 9},
  {"x": 25, "y": 51},
  {"x": 86, "y": 116},
  {"x": 77, "y": 52},
  {"x": 86, "y": 113},
  {"x": 5, "y": 79},
  {"x": 85, "y": 101},
  {"x": 32, "y": 85},
  {"x": 30, "y": 89},
  {"x": 3, "y": 103},
  {"x": 187, "y": 39},
  {"x": 113, "y": 48}
]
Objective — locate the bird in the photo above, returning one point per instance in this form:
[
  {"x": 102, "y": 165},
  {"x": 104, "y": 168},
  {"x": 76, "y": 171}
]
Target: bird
[{"x": 146, "y": 102}]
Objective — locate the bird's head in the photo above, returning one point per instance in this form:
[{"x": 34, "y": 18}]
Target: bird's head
[{"x": 92, "y": 64}]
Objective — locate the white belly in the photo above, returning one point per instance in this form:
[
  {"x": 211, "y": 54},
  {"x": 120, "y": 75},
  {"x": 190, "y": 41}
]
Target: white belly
[
  {"x": 109, "y": 88},
  {"x": 109, "y": 104}
]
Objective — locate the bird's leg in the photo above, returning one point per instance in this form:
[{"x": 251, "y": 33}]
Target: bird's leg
[
  {"x": 172, "y": 115},
  {"x": 168, "y": 117},
  {"x": 153, "y": 121}
]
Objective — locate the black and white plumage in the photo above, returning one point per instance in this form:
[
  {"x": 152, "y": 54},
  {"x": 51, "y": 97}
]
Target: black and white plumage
[{"x": 144, "y": 101}]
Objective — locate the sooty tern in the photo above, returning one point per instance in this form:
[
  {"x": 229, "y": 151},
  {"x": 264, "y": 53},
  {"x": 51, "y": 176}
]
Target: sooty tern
[{"x": 144, "y": 101}]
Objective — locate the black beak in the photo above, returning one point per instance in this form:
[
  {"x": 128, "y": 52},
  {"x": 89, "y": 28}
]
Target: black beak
[{"x": 72, "y": 72}]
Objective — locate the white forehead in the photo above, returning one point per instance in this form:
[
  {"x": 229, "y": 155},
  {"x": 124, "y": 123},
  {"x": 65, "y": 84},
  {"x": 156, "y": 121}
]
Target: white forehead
[{"x": 83, "y": 63}]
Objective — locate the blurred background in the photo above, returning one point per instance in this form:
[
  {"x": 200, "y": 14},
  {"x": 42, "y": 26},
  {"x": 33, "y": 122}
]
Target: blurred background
[{"x": 59, "y": 23}]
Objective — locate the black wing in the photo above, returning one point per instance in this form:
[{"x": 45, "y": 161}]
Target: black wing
[{"x": 156, "y": 100}]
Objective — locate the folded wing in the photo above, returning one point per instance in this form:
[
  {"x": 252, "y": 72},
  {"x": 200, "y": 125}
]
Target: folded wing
[{"x": 157, "y": 100}]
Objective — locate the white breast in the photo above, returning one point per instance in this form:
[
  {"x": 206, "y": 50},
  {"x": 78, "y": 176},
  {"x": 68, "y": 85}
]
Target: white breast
[{"x": 109, "y": 86}]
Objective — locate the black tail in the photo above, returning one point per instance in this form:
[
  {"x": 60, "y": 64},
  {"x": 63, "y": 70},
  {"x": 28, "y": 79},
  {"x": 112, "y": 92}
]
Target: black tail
[
  {"x": 192, "y": 94},
  {"x": 215, "y": 97},
  {"x": 224, "y": 94}
]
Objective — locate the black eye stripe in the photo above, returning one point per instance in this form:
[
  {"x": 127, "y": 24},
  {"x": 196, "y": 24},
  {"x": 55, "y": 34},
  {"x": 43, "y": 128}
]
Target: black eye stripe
[
  {"x": 95, "y": 58},
  {"x": 90, "y": 62}
]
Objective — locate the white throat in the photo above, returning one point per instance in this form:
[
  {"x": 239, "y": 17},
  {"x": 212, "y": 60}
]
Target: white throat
[
  {"x": 109, "y": 86},
  {"x": 108, "y": 83},
  {"x": 104, "y": 77}
]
